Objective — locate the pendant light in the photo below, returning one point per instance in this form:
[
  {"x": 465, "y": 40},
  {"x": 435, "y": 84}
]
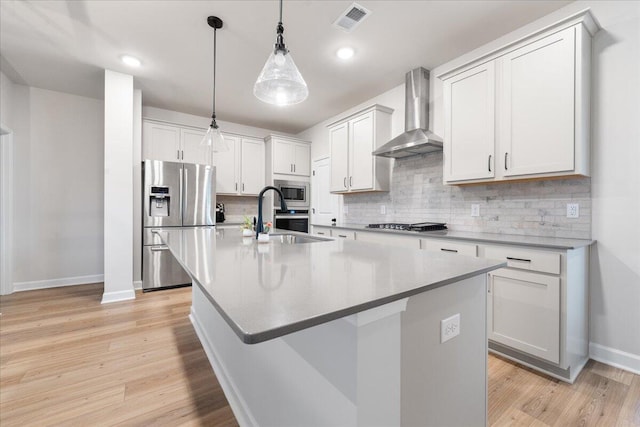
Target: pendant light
[
  {"x": 213, "y": 137},
  {"x": 280, "y": 82}
]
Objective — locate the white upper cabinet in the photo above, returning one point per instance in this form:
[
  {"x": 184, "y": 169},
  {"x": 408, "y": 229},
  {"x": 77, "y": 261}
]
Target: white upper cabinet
[
  {"x": 240, "y": 171},
  {"x": 339, "y": 140},
  {"x": 522, "y": 111},
  {"x": 252, "y": 166},
  {"x": 290, "y": 157},
  {"x": 537, "y": 106},
  {"x": 352, "y": 140},
  {"x": 469, "y": 124},
  {"x": 161, "y": 141},
  {"x": 226, "y": 163}
]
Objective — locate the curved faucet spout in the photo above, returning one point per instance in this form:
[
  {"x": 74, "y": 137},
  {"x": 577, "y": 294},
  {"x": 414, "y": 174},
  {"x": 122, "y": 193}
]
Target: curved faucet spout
[{"x": 283, "y": 206}]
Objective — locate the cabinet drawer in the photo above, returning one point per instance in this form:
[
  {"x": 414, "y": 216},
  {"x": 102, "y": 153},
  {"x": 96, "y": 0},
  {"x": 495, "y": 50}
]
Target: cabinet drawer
[
  {"x": 344, "y": 234},
  {"x": 446, "y": 246},
  {"x": 525, "y": 259},
  {"x": 326, "y": 232}
]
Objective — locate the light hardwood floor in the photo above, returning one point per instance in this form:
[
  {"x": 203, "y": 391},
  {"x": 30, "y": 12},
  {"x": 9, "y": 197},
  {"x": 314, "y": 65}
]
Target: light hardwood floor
[{"x": 65, "y": 359}]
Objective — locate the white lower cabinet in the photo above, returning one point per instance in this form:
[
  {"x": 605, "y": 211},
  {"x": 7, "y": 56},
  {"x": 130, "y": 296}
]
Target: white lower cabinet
[
  {"x": 523, "y": 312},
  {"x": 449, "y": 246},
  {"x": 537, "y": 307},
  {"x": 321, "y": 231},
  {"x": 341, "y": 233},
  {"x": 396, "y": 240}
]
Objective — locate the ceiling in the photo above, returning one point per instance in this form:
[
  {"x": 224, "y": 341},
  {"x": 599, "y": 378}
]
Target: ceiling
[{"x": 65, "y": 45}]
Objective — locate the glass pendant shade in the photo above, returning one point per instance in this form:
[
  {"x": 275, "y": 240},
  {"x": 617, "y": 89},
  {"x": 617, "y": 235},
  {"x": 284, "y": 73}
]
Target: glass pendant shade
[
  {"x": 214, "y": 139},
  {"x": 280, "y": 82}
]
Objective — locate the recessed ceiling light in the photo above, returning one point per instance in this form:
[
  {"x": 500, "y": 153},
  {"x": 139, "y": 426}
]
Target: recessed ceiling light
[
  {"x": 130, "y": 60},
  {"x": 345, "y": 52}
]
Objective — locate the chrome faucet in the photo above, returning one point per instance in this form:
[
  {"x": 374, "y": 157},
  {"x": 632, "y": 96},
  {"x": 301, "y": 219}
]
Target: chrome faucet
[{"x": 283, "y": 206}]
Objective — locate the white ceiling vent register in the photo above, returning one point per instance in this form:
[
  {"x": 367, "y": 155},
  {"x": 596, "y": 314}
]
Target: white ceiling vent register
[{"x": 351, "y": 17}]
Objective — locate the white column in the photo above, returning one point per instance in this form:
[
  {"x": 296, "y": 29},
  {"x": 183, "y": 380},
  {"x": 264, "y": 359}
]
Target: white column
[
  {"x": 118, "y": 187},
  {"x": 137, "y": 188}
]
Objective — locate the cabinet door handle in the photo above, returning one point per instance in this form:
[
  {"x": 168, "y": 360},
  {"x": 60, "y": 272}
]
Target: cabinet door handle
[
  {"x": 236, "y": 186},
  {"x": 505, "y": 161},
  {"x": 342, "y": 235},
  {"x": 489, "y": 163},
  {"x": 178, "y": 155},
  {"x": 243, "y": 186},
  {"x": 294, "y": 167},
  {"x": 351, "y": 181},
  {"x": 345, "y": 182},
  {"x": 489, "y": 283},
  {"x": 449, "y": 250},
  {"x": 518, "y": 259}
]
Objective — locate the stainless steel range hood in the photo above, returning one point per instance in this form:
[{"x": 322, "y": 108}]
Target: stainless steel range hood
[{"x": 416, "y": 139}]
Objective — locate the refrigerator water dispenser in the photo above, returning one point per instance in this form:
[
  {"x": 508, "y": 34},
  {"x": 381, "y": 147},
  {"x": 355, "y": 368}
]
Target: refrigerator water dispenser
[{"x": 159, "y": 201}]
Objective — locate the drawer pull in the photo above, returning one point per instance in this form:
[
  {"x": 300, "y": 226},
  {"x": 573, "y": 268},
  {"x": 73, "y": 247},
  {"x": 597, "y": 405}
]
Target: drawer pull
[
  {"x": 320, "y": 233},
  {"x": 518, "y": 259},
  {"x": 161, "y": 248},
  {"x": 342, "y": 235},
  {"x": 449, "y": 250}
]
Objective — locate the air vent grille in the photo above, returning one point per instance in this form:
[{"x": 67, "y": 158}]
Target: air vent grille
[{"x": 351, "y": 17}]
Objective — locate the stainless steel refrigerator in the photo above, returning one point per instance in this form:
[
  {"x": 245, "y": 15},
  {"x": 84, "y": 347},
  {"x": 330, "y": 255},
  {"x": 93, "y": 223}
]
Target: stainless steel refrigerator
[{"x": 175, "y": 195}]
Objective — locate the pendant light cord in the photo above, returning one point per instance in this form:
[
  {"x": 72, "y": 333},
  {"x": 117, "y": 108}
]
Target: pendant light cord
[
  {"x": 213, "y": 116},
  {"x": 280, "y": 12}
]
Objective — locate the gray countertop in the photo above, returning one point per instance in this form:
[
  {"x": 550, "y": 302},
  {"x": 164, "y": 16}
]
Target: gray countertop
[
  {"x": 266, "y": 290},
  {"x": 505, "y": 239}
]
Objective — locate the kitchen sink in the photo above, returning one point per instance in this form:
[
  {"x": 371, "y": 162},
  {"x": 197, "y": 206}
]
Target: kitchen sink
[{"x": 294, "y": 239}]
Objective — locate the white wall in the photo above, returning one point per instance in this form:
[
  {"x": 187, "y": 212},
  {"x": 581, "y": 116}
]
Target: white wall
[
  {"x": 615, "y": 262},
  {"x": 118, "y": 187},
  {"x": 57, "y": 214}
]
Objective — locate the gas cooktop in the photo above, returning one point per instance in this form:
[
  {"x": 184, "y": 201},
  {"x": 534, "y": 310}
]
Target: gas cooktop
[{"x": 421, "y": 226}]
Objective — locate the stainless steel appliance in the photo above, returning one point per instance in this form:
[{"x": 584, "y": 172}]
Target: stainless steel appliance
[
  {"x": 420, "y": 226},
  {"x": 296, "y": 193},
  {"x": 295, "y": 220},
  {"x": 417, "y": 138},
  {"x": 175, "y": 195}
]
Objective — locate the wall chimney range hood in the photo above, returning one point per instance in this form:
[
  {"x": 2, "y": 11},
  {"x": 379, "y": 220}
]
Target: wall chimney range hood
[{"x": 416, "y": 139}]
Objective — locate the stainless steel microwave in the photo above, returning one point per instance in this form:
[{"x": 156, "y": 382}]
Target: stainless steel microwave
[{"x": 296, "y": 193}]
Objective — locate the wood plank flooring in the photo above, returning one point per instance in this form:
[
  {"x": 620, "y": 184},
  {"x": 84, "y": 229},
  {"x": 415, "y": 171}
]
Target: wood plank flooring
[{"x": 67, "y": 360}]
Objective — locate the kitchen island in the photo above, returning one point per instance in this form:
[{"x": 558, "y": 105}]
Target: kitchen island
[{"x": 339, "y": 332}]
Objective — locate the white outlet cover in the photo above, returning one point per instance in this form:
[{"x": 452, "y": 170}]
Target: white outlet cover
[
  {"x": 449, "y": 328},
  {"x": 383, "y": 210},
  {"x": 475, "y": 210},
  {"x": 573, "y": 210}
]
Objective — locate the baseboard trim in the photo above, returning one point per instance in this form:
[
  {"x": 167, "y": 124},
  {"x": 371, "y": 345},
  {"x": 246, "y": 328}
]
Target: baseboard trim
[
  {"x": 137, "y": 285},
  {"x": 238, "y": 405},
  {"x": 616, "y": 358},
  {"x": 109, "y": 297},
  {"x": 56, "y": 283}
]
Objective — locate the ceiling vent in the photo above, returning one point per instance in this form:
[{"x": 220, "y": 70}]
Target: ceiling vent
[{"x": 352, "y": 17}]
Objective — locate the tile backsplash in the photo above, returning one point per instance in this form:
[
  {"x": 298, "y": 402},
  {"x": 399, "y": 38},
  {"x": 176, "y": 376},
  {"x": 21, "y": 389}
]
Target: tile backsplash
[{"x": 533, "y": 208}]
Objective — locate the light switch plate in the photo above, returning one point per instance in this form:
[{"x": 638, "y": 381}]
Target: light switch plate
[
  {"x": 573, "y": 210},
  {"x": 475, "y": 210}
]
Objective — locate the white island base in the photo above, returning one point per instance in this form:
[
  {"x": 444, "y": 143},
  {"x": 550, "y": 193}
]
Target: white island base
[{"x": 385, "y": 366}]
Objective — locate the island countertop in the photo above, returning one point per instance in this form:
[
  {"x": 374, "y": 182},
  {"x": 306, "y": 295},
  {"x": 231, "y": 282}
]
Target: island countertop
[{"x": 267, "y": 290}]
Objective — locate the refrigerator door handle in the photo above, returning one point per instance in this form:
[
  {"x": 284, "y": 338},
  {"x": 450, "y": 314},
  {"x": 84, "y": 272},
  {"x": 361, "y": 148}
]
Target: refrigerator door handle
[
  {"x": 181, "y": 192},
  {"x": 185, "y": 190}
]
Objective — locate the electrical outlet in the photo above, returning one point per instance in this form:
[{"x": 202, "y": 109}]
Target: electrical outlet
[
  {"x": 449, "y": 328},
  {"x": 475, "y": 210},
  {"x": 383, "y": 210},
  {"x": 573, "y": 210}
]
